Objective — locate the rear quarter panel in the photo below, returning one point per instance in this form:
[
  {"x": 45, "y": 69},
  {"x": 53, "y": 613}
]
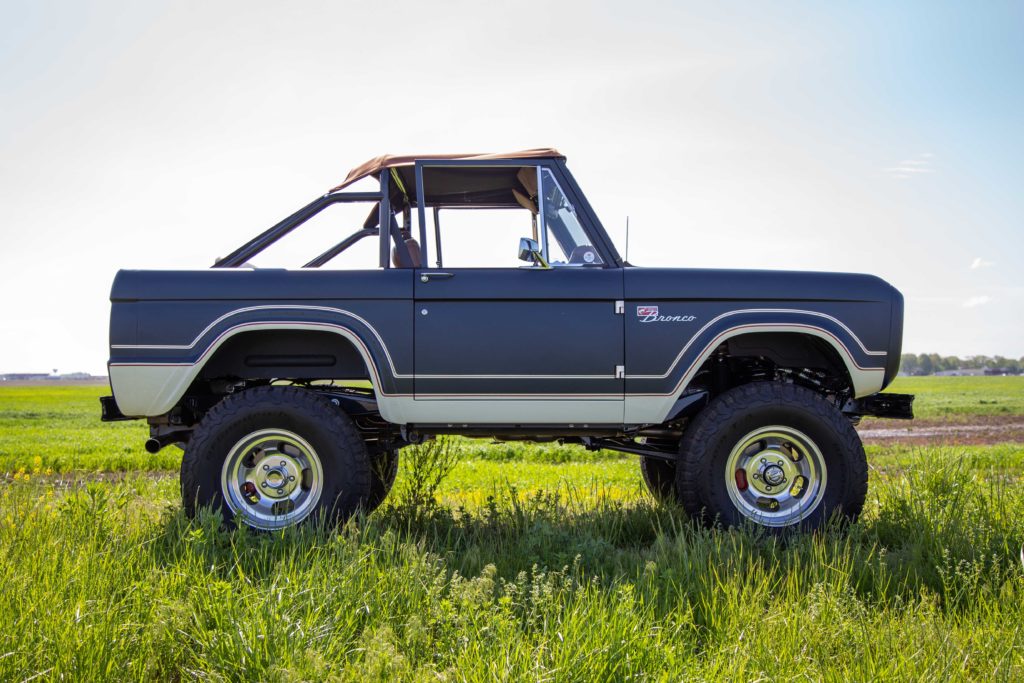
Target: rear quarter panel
[{"x": 166, "y": 325}]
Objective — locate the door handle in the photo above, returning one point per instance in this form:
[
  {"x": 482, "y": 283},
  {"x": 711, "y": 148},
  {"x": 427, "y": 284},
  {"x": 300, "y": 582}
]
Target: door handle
[{"x": 427, "y": 277}]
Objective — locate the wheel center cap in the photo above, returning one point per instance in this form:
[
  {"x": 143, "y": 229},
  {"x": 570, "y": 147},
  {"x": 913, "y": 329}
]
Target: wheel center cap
[
  {"x": 277, "y": 475},
  {"x": 773, "y": 475}
]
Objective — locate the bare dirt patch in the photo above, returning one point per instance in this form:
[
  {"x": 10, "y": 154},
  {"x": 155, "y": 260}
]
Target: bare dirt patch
[{"x": 980, "y": 429}]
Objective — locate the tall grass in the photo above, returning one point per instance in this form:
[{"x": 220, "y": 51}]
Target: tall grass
[
  {"x": 109, "y": 581},
  {"x": 531, "y": 565}
]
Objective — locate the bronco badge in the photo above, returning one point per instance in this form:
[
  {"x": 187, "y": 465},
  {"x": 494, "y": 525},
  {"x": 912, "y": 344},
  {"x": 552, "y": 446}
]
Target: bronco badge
[{"x": 649, "y": 314}]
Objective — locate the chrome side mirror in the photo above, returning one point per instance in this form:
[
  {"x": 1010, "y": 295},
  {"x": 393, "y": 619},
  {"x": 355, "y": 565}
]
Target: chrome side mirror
[{"x": 529, "y": 250}]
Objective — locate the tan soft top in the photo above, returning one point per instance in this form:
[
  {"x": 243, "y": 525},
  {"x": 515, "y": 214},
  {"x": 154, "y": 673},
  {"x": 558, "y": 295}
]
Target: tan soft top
[{"x": 374, "y": 166}]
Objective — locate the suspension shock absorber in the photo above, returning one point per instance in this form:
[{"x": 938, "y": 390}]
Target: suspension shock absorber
[{"x": 720, "y": 375}]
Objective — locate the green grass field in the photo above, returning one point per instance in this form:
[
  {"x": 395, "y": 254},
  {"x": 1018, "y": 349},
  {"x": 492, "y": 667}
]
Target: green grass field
[
  {"x": 951, "y": 398},
  {"x": 539, "y": 563}
]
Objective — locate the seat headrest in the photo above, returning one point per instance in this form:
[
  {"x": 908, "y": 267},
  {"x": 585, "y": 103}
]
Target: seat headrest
[{"x": 415, "y": 253}]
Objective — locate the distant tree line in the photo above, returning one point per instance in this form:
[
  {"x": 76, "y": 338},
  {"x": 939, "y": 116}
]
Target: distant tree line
[{"x": 930, "y": 363}]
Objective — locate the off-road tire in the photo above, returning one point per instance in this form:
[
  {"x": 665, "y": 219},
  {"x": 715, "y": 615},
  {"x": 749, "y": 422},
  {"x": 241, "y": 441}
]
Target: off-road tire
[
  {"x": 715, "y": 431},
  {"x": 343, "y": 456},
  {"x": 383, "y": 470},
  {"x": 660, "y": 477}
]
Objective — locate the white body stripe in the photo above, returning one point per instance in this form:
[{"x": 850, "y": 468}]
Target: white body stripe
[
  {"x": 397, "y": 375},
  {"x": 150, "y": 389},
  {"x": 641, "y": 408},
  {"x": 249, "y": 309},
  {"x": 755, "y": 310}
]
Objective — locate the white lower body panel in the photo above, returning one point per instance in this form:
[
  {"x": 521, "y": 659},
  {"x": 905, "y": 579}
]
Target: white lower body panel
[
  {"x": 533, "y": 411},
  {"x": 151, "y": 390}
]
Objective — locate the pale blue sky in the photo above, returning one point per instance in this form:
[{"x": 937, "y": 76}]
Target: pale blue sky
[{"x": 831, "y": 136}]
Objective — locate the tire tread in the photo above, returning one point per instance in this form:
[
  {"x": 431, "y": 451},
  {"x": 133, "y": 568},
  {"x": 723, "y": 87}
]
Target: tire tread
[
  {"x": 695, "y": 459},
  {"x": 271, "y": 398}
]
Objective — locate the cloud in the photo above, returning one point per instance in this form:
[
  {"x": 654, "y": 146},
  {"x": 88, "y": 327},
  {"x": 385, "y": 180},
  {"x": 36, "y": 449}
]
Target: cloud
[
  {"x": 979, "y": 262},
  {"x": 908, "y": 168},
  {"x": 976, "y": 301}
]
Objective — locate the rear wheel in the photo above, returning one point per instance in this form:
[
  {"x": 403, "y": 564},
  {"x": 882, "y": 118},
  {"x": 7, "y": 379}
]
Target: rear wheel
[
  {"x": 775, "y": 454},
  {"x": 274, "y": 457}
]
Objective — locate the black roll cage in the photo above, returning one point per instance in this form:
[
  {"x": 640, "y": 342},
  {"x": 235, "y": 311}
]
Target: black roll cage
[{"x": 385, "y": 216}]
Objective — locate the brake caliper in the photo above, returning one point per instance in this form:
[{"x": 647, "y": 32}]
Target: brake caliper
[{"x": 250, "y": 493}]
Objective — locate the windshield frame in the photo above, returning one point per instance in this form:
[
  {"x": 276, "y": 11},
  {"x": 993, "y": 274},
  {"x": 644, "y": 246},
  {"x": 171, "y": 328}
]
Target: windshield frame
[{"x": 566, "y": 184}]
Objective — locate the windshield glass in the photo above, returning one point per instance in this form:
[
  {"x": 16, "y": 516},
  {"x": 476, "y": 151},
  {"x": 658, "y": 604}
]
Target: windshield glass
[{"x": 567, "y": 243}]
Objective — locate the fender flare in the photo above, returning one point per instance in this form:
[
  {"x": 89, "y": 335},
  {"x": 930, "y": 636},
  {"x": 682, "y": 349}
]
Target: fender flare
[
  {"x": 866, "y": 368},
  {"x": 150, "y": 386}
]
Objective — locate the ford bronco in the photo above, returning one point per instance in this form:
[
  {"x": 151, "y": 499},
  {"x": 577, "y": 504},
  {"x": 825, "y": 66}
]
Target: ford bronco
[{"x": 292, "y": 392}]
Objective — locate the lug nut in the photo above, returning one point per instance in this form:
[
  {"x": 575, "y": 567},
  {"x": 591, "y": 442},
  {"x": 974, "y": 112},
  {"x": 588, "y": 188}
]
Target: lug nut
[
  {"x": 264, "y": 484},
  {"x": 266, "y": 467},
  {"x": 767, "y": 488},
  {"x": 780, "y": 463},
  {"x": 292, "y": 478},
  {"x": 284, "y": 464},
  {"x": 763, "y": 461}
]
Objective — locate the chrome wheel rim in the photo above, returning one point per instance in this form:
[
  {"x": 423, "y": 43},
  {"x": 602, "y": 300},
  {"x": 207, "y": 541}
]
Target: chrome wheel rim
[
  {"x": 272, "y": 479},
  {"x": 775, "y": 476}
]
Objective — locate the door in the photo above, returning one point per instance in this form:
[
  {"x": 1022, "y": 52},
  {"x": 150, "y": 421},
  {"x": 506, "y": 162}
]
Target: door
[{"x": 519, "y": 346}]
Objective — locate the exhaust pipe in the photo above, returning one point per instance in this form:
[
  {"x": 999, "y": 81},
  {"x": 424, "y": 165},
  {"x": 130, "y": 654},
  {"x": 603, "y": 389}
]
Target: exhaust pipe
[{"x": 155, "y": 444}]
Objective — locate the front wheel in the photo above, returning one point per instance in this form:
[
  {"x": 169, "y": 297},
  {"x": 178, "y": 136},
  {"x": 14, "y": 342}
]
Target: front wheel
[
  {"x": 774, "y": 454},
  {"x": 274, "y": 457},
  {"x": 660, "y": 478}
]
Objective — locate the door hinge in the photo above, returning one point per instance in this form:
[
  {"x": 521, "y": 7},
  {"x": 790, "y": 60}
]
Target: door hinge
[
  {"x": 620, "y": 372},
  {"x": 620, "y": 307}
]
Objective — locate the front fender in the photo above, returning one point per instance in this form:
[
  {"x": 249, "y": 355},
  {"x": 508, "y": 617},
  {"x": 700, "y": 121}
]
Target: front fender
[{"x": 650, "y": 397}]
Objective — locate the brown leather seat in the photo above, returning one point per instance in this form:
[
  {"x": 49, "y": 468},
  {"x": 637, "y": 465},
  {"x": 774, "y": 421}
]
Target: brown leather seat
[{"x": 414, "y": 252}]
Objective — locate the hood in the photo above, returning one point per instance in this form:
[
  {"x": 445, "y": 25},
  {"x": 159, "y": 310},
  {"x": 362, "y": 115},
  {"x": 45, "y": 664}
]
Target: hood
[{"x": 706, "y": 284}]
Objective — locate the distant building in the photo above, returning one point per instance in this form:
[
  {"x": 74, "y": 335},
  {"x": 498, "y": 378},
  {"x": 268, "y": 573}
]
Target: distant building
[
  {"x": 40, "y": 376},
  {"x": 23, "y": 376},
  {"x": 71, "y": 376},
  {"x": 962, "y": 372}
]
